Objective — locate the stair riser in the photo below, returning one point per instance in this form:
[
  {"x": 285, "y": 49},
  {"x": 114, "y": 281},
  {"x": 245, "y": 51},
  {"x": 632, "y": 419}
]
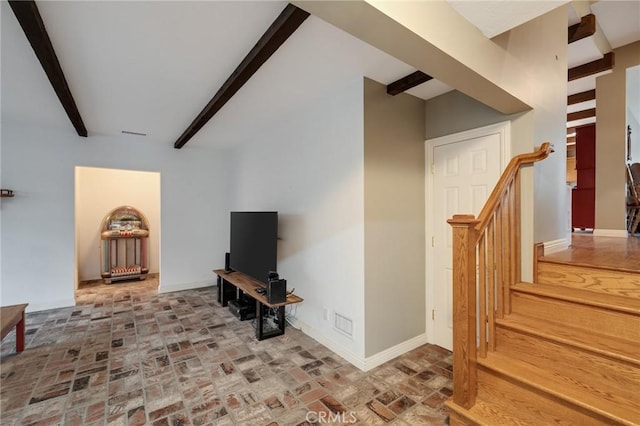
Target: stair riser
[
  {"x": 612, "y": 379},
  {"x": 590, "y": 278},
  {"x": 589, "y": 318},
  {"x": 525, "y": 402}
]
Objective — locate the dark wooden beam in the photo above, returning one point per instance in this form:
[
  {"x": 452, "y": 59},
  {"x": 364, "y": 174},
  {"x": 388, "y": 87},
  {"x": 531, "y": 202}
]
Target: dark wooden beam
[
  {"x": 579, "y": 115},
  {"x": 571, "y": 130},
  {"x": 285, "y": 24},
  {"x": 585, "y": 28},
  {"x": 577, "y": 98},
  {"x": 31, "y": 22},
  {"x": 606, "y": 63},
  {"x": 407, "y": 82}
]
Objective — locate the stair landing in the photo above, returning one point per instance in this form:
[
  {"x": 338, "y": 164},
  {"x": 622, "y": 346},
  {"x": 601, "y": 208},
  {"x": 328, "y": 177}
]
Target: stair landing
[
  {"x": 609, "y": 265},
  {"x": 612, "y": 252}
]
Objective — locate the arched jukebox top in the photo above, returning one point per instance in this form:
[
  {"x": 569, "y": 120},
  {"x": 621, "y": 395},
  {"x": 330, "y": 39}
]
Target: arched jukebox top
[{"x": 124, "y": 222}]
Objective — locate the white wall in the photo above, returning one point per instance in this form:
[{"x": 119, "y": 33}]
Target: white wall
[
  {"x": 544, "y": 208},
  {"x": 635, "y": 137},
  {"x": 541, "y": 44},
  {"x": 98, "y": 192},
  {"x": 633, "y": 110},
  {"x": 38, "y": 238},
  {"x": 310, "y": 170},
  {"x": 394, "y": 212}
]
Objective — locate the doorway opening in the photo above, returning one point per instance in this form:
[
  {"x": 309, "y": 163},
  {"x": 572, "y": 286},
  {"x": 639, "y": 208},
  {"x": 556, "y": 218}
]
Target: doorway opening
[{"x": 99, "y": 191}]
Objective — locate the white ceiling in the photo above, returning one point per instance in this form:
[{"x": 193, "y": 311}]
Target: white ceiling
[
  {"x": 150, "y": 67},
  {"x": 493, "y": 17},
  {"x": 619, "y": 20}
]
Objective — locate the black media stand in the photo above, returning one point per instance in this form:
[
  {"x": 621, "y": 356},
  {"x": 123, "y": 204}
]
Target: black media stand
[{"x": 231, "y": 283}]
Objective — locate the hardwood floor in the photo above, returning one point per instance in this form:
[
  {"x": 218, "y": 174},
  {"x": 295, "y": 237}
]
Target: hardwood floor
[{"x": 589, "y": 250}]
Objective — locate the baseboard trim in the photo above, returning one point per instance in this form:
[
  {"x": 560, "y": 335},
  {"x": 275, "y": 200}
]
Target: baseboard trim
[
  {"x": 394, "y": 351},
  {"x": 362, "y": 363},
  {"x": 185, "y": 286},
  {"x": 610, "y": 233},
  {"x": 355, "y": 359},
  {"x": 556, "y": 245}
]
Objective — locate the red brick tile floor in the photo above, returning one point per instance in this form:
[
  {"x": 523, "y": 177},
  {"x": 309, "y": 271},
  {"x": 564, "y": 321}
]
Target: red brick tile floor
[{"x": 126, "y": 355}]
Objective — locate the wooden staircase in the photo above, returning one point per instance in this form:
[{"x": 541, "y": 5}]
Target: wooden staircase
[{"x": 564, "y": 350}]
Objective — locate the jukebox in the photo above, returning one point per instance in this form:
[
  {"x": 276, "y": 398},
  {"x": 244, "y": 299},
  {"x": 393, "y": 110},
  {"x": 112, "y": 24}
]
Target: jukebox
[{"x": 124, "y": 245}]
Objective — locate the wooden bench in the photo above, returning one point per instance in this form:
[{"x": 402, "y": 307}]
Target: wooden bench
[{"x": 13, "y": 316}]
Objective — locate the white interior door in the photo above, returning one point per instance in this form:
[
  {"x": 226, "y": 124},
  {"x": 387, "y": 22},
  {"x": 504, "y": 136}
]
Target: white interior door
[{"x": 463, "y": 174}]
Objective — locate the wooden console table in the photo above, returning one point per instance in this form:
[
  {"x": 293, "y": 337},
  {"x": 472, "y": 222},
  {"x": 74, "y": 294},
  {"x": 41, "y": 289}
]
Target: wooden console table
[
  {"x": 249, "y": 286},
  {"x": 13, "y": 316}
]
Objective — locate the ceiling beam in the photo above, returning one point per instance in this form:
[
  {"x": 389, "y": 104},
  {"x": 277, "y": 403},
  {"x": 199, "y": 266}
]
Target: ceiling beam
[
  {"x": 585, "y": 28},
  {"x": 579, "y": 115},
  {"x": 606, "y": 63},
  {"x": 577, "y": 98},
  {"x": 31, "y": 22},
  {"x": 407, "y": 82},
  {"x": 284, "y": 26}
]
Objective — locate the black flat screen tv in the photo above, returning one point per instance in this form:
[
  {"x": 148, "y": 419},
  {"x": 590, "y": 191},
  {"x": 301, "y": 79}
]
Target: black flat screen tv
[{"x": 253, "y": 247}]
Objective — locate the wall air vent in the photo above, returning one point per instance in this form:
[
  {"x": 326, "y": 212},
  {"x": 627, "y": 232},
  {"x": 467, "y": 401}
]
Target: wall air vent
[{"x": 343, "y": 324}]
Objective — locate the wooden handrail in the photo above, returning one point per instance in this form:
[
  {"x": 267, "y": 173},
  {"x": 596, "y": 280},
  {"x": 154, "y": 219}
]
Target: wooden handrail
[
  {"x": 486, "y": 263},
  {"x": 507, "y": 176}
]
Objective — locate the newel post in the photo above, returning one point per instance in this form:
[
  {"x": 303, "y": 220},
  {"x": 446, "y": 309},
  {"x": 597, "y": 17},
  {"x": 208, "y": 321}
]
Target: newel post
[{"x": 465, "y": 375}]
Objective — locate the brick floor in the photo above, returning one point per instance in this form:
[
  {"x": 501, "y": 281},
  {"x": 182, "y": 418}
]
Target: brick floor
[{"x": 127, "y": 355}]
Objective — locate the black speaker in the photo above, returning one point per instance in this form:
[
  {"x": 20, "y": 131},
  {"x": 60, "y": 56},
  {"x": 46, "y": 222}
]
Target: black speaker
[
  {"x": 276, "y": 291},
  {"x": 226, "y": 261}
]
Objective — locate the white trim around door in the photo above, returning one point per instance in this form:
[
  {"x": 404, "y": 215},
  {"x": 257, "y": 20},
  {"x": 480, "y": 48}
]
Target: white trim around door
[{"x": 503, "y": 130}]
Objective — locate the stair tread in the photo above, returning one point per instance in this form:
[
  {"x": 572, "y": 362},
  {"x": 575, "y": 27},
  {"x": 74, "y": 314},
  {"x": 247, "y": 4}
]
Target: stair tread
[
  {"x": 585, "y": 395},
  {"x": 609, "y": 301},
  {"x": 585, "y": 264},
  {"x": 609, "y": 346},
  {"x": 492, "y": 413},
  {"x": 504, "y": 402},
  {"x": 603, "y": 280},
  {"x": 504, "y": 406},
  {"x": 573, "y": 365}
]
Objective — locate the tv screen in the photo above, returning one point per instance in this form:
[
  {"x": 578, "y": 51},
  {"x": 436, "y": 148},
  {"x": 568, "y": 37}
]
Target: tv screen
[{"x": 254, "y": 237}]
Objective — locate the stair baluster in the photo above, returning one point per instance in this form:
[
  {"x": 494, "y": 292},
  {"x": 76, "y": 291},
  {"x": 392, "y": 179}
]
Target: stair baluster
[{"x": 481, "y": 290}]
